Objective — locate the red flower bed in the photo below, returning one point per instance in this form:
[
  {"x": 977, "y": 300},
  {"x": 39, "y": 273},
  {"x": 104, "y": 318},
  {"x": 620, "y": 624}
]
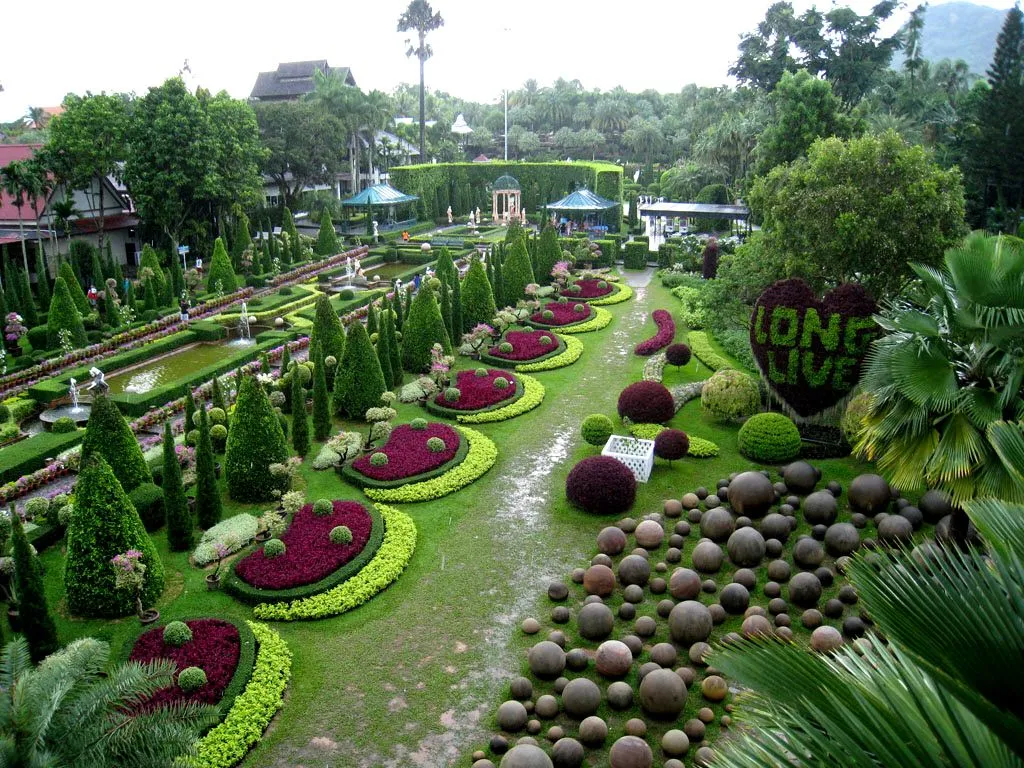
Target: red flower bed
[
  {"x": 564, "y": 313},
  {"x": 589, "y": 289},
  {"x": 214, "y": 647},
  {"x": 478, "y": 392},
  {"x": 408, "y": 454},
  {"x": 660, "y": 340},
  {"x": 525, "y": 345},
  {"x": 310, "y": 555}
]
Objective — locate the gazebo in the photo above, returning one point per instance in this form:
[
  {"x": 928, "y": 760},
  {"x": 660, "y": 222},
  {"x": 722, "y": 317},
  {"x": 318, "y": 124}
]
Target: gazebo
[
  {"x": 506, "y": 199},
  {"x": 584, "y": 206},
  {"x": 379, "y": 196}
]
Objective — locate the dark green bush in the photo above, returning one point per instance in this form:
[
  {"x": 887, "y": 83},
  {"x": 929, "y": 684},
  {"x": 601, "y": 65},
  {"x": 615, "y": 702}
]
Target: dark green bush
[
  {"x": 109, "y": 435},
  {"x": 221, "y": 270},
  {"x": 770, "y": 438},
  {"x": 64, "y": 425},
  {"x": 148, "y": 501},
  {"x": 255, "y": 441},
  {"x": 596, "y": 429},
  {"x": 360, "y": 383},
  {"x": 636, "y": 255},
  {"x": 423, "y": 328},
  {"x": 64, "y": 315}
]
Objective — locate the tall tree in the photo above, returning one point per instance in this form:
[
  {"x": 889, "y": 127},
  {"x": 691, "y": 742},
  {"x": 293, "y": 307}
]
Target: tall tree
[
  {"x": 420, "y": 18},
  {"x": 179, "y": 518},
  {"x": 300, "y": 418},
  {"x": 208, "y": 503},
  {"x": 36, "y": 622},
  {"x": 239, "y": 152},
  {"x": 255, "y": 441},
  {"x": 321, "y": 395},
  {"x": 17, "y": 180}
]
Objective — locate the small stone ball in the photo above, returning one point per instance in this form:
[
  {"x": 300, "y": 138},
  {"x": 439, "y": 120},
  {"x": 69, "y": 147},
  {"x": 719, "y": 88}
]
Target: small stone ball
[
  {"x": 627, "y": 611},
  {"x": 743, "y": 522},
  {"x": 869, "y": 494},
  {"x": 690, "y": 501},
  {"x": 634, "y": 643},
  {"x": 833, "y": 608},
  {"x": 811, "y": 618},
  {"x": 682, "y": 528},
  {"x": 751, "y": 494},
  {"x": 645, "y": 626},
  {"x": 557, "y": 637},
  {"x": 630, "y": 752},
  {"x": 620, "y": 695},
  {"x": 786, "y": 510},
  {"x": 613, "y": 659},
  {"x": 633, "y": 594},
  {"x": 754, "y": 626},
  {"x": 805, "y": 590},
  {"x": 687, "y": 675},
  {"x": 546, "y": 706},
  {"x": 894, "y": 530},
  {"x": 557, "y": 591},
  {"x": 634, "y": 569},
  {"x": 705, "y": 714},
  {"x": 649, "y": 534},
  {"x": 746, "y": 547},
  {"x": 825, "y": 576},
  {"x": 694, "y": 516},
  {"x": 478, "y": 755},
  {"x": 780, "y": 488},
  {"x": 559, "y": 685},
  {"x": 702, "y": 493},
  {"x": 482, "y": 763},
  {"x": 934, "y": 506},
  {"x": 854, "y": 627},
  {"x": 772, "y": 589},
  {"x": 560, "y": 614},
  {"x": 775, "y": 526},
  {"x": 783, "y": 620},
  {"x": 808, "y": 553},
  {"x": 664, "y": 654},
  {"x": 675, "y": 743},
  {"x": 684, "y": 584},
  {"x": 793, "y": 501},
  {"x": 526, "y": 756},
  {"x": 664, "y": 607},
  {"x": 533, "y": 727},
  {"x": 601, "y": 560},
  {"x": 718, "y": 613},
  {"x": 673, "y": 554},
  {"x": 530, "y": 626},
  {"x": 714, "y": 688},
  {"x": 640, "y": 552},
  {"x": 577, "y": 660},
  {"x": 820, "y": 508},
  {"x": 677, "y": 541},
  {"x": 498, "y": 745},
  {"x": 857, "y": 520},
  {"x": 577, "y": 575},
  {"x": 627, "y": 524},
  {"x": 595, "y": 621},
  {"x": 826, "y": 638},
  {"x": 567, "y": 753},
  {"x": 707, "y": 557},
  {"x": 712, "y": 501},
  {"x": 778, "y": 570},
  {"x": 746, "y": 577},
  {"x": 694, "y": 729},
  {"x": 521, "y": 688},
  {"x": 755, "y": 610},
  {"x": 636, "y": 727},
  {"x": 841, "y": 539},
  {"x": 672, "y": 508},
  {"x": 734, "y": 598},
  {"x": 555, "y": 732},
  {"x": 593, "y": 731},
  {"x": 658, "y": 585},
  {"x": 611, "y": 540},
  {"x": 914, "y": 515},
  {"x": 835, "y": 488},
  {"x": 772, "y": 548},
  {"x": 581, "y": 697},
  {"x": 546, "y": 659},
  {"x": 698, "y": 651},
  {"x": 704, "y": 757},
  {"x": 717, "y": 524},
  {"x": 776, "y": 605},
  {"x": 662, "y": 694},
  {"x": 512, "y": 716},
  {"x": 709, "y": 586},
  {"x": 800, "y": 477},
  {"x": 645, "y": 669},
  {"x": 599, "y": 580}
]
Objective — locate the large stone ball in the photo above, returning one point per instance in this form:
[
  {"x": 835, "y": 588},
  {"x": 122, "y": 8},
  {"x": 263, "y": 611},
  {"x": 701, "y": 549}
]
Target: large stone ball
[
  {"x": 662, "y": 693},
  {"x": 613, "y": 659},
  {"x": 567, "y": 753},
  {"x": 869, "y": 494},
  {"x": 800, "y": 477},
  {"x": 714, "y": 688},
  {"x": 634, "y": 569},
  {"x": 842, "y": 539},
  {"x": 684, "y": 584},
  {"x": 672, "y": 507},
  {"x": 716, "y": 524},
  {"x": 526, "y": 756},
  {"x": 914, "y": 515},
  {"x": 746, "y": 547},
  {"x": 826, "y": 638},
  {"x": 593, "y": 731},
  {"x": 734, "y": 598},
  {"x": 895, "y": 529},
  {"x": 805, "y": 590},
  {"x": 581, "y": 697},
  {"x": 751, "y": 494},
  {"x": 611, "y": 540},
  {"x": 675, "y": 743},
  {"x": 775, "y": 526},
  {"x": 620, "y": 695},
  {"x": 820, "y": 508},
  {"x": 649, "y": 534},
  {"x": 707, "y": 557},
  {"x": 595, "y": 621},
  {"x": 664, "y": 654},
  {"x": 546, "y": 659},
  {"x": 599, "y": 580},
  {"x": 935, "y": 505},
  {"x": 512, "y": 716},
  {"x": 546, "y": 706},
  {"x": 630, "y": 752},
  {"x": 690, "y": 622},
  {"x": 756, "y": 625},
  {"x": 808, "y": 553},
  {"x": 690, "y": 501}
]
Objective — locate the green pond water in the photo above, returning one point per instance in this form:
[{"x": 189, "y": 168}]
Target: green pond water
[
  {"x": 165, "y": 370},
  {"x": 386, "y": 271}
]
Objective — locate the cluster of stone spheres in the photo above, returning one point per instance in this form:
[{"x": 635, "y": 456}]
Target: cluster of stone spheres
[{"x": 623, "y": 671}]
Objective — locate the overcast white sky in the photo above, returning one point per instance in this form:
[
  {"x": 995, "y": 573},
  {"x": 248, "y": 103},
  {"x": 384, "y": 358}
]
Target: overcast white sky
[{"x": 50, "y": 49}]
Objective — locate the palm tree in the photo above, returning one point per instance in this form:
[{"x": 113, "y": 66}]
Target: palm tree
[
  {"x": 63, "y": 212},
  {"x": 37, "y": 117},
  {"x": 377, "y": 113},
  {"x": 420, "y": 17},
  {"x": 934, "y": 697},
  {"x": 947, "y": 402},
  {"x": 17, "y": 181},
  {"x": 39, "y": 189},
  {"x": 73, "y": 710},
  {"x": 345, "y": 102}
]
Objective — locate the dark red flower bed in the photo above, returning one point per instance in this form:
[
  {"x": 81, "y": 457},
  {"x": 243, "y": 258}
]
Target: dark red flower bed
[
  {"x": 660, "y": 340},
  {"x": 589, "y": 289},
  {"x": 564, "y": 313},
  {"x": 310, "y": 555},
  {"x": 214, "y": 647},
  {"x": 478, "y": 392},
  {"x": 525, "y": 345},
  {"x": 408, "y": 454}
]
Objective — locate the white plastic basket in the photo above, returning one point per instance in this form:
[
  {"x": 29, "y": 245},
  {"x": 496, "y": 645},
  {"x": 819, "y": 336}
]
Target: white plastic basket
[{"x": 636, "y": 454}]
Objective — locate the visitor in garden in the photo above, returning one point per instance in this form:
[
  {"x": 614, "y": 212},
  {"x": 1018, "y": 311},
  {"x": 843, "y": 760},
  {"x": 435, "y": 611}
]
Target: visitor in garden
[
  {"x": 183, "y": 307},
  {"x": 416, "y": 282},
  {"x": 405, "y": 236},
  {"x": 92, "y": 295}
]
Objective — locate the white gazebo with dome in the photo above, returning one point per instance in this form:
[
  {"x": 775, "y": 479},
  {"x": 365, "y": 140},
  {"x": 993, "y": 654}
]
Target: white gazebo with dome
[{"x": 506, "y": 200}]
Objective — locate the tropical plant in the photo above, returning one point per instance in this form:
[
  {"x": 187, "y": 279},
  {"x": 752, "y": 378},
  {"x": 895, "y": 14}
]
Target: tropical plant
[{"x": 420, "y": 18}]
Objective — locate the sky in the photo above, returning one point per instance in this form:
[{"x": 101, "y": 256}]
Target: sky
[{"x": 72, "y": 46}]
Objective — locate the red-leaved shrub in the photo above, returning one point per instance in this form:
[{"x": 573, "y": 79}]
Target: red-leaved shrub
[
  {"x": 671, "y": 444},
  {"x": 564, "y": 313},
  {"x": 476, "y": 392},
  {"x": 646, "y": 402},
  {"x": 589, "y": 289},
  {"x": 408, "y": 454},
  {"x": 678, "y": 355},
  {"x": 526, "y": 345},
  {"x": 601, "y": 485},
  {"x": 666, "y": 332}
]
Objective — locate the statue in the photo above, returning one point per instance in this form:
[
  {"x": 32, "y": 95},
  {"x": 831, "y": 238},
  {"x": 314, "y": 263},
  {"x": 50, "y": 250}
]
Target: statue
[
  {"x": 73, "y": 391},
  {"x": 98, "y": 382},
  {"x": 449, "y": 214},
  {"x": 477, "y": 214},
  {"x": 375, "y": 232},
  {"x": 472, "y": 221}
]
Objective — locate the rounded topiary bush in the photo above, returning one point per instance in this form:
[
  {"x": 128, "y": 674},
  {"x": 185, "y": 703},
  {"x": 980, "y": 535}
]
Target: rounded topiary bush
[
  {"x": 379, "y": 459},
  {"x": 769, "y": 438},
  {"x": 322, "y": 507},
  {"x": 730, "y": 394},
  {"x": 602, "y": 485},
  {"x": 596, "y": 429},
  {"x": 177, "y": 633},
  {"x": 505, "y": 347},
  {"x": 418, "y": 424},
  {"x": 545, "y": 341},
  {"x": 217, "y": 416},
  {"x": 481, "y": 373},
  {"x": 452, "y": 394},
  {"x": 191, "y": 679},
  {"x": 547, "y": 314},
  {"x": 646, "y": 402},
  {"x": 853, "y": 416},
  {"x": 341, "y": 534},
  {"x": 63, "y": 425},
  {"x": 273, "y": 548},
  {"x": 678, "y": 354},
  {"x": 192, "y": 438},
  {"x": 435, "y": 445},
  {"x": 330, "y": 361},
  {"x": 579, "y": 309},
  {"x": 671, "y": 444},
  {"x": 218, "y": 436},
  {"x": 500, "y": 383}
]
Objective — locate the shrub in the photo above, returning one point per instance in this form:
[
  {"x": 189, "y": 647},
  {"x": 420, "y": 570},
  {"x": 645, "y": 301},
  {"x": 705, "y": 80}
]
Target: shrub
[
  {"x": 702, "y": 449},
  {"x": 601, "y": 485},
  {"x": 418, "y": 423},
  {"x": 671, "y": 444},
  {"x": 379, "y": 459},
  {"x": 853, "y": 416},
  {"x": 423, "y": 328},
  {"x": 678, "y": 355},
  {"x": 192, "y": 437},
  {"x": 208, "y": 502},
  {"x": 646, "y": 402},
  {"x": 175, "y": 506},
  {"x": 273, "y": 548},
  {"x": 596, "y": 429},
  {"x": 452, "y": 394},
  {"x": 546, "y": 341},
  {"x": 328, "y": 334},
  {"x": 500, "y": 383},
  {"x": 360, "y": 382},
  {"x": 5, "y": 413},
  {"x": 63, "y": 425},
  {"x": 703, "y": 351},
  {"x": 191, "y": 679},
  {"x": 177, "y": 633},
  {"x": 64, "y": 315},
  {"x": 218, "y": 436},
  {"x": 322, "y": 507},
  {"x": 516, "y": 272},
  {"x": 662, "y": 338},
  {"x": 435, "y": 445},
  {"x": 36, "y": 622},
  {"x": 769, "y": 438},
  {"x": 221, "y": 270},
  {"x": 477, "y": 296},
  {"x": 37, "y": 507},
  {"x": 710, "y": 259},
  {"x": 226, "y": 536},
  {"x": 217, "y": 416},
  {"x": 255, "y": 441},
  {"x": 730, "y": 394},
  {"x": 148, "y": 500},
  {"x": 109, "y": 435},
  {"x": 327, "y": 239},
  {"x": 341, "y": 534},
  {"x": 635, "y": 256}
]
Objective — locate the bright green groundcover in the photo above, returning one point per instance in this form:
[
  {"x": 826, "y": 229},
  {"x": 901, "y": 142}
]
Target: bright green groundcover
[
  {"x": 30, "y": 454},
  {"x": 573, "y": 352}
]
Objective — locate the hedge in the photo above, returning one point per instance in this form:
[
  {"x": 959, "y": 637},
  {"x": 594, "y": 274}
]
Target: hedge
[
  {"x": 26, "y": 456},
  {"x": 573, "y": 351},
  {"x": 636, "y": 255},
  {"x": 623, "y": 293},
  {"x": 701, "y": 347}
]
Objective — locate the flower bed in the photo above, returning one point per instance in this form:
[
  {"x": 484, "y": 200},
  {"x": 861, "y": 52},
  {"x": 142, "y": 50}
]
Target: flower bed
[
  {"x": 664, "y": 336},
  {"x": 309, "y": 555},
  {"x": 564, "y": 313},
  {"x": 623, "y": 293},
  {"x": 573, "y": 351},
  {"x": 590, "y": 288},
  {"x": 532, "y": 396},
  {"x": 527, "y": 346},
  {"x": 601, "y": 319},
  {"x": 477, "y": 393},
  {"x": 409, "y": 454},
  {"x": 387, "y": 565}
]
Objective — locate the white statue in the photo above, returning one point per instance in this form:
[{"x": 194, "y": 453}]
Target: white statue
[
  {"x": 98, "y": 382},
  {"x": 477, "y": 215},
  {"x": 73, "y": 391},
  {"x": 375, "y": 225},
  {"x": 449, "y": 214},
  {"x": 472, "y": 221}
]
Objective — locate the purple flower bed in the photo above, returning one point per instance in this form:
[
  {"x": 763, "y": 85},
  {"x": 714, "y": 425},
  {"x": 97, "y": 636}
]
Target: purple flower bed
[
  {"x": 589, "y": 289},
  {"x": 309, "y": 555},
  {"x": 214, "y": 647},
  {"x": 408, "y": 454},
  {"x": 478, "y": 392},
  {"x": 526, "y": 345},
  {"x": 661, "y": 339},
  {"x": 564, "y": 313}
]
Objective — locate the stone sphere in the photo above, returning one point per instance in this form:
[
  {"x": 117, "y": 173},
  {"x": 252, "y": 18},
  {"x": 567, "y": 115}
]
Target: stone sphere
[
  {"x": 698, "y": 651},
  {"x": 755, "y": 610},
  {"x": 658, "y": 585},
  {"x": 869, "y": 494},
  {"x": 702, "y": 492},
  {"x": 746, "y": 577},
  {"x": 826, "y": 638},
  {"x": 557, "y": 637},
  {"x": 611, "y": 540},
  {"x": 577, "y": 660},
  {"x": 599, "y": 580},
  {"x": 595, "y": 621},
  {"x": 772, "y": 589},
  {"x": 559, "y": 685},
  {"x": 690, "y": 501},
  {"x": 811, "y": 618},
  {"x": 567, "y": 753},
  {"x": 914, "y": 515},
  {"x": 613, "y": 659},
  {"x": 577, "y": 575},
  {"x": 778, "y": 570},
  {"x": 818, "y": 531},
  {"x": 934, "y": 505},
  {"x": 581, "y": 697},
  {"x": 808, "y": 553},
  {"x": 593, "y": 731},
  {"x": 756, "y": 626},
  {"x": 634, "y": 643},
  {"x": 775, "y": 526},
  {"x": 482, "y": 762},
  {"x": 703, "y": 757},
  {"x": 525, "y": 755},
  {"x": 512, "y": 716},
  {"x": 734, "y": 598},
  {"x": 645, "y": 626},
  {"x": 693, "y": 516},
  {"x": 634, "y": 593},
  {"x": 707, "y": 557},
  {"x": 743, "y": 521},
  {"x": 546, "y": 706},
  {"x": 772, "y": 548},
  {"x": 557, "y": 591},
  {"x": 751, "y": 494},
  {"x": 664, "y": 607},
  {"x": 649, "y": 534},
  {"x": 662, "y": 694},
  {"x": 746, "y": 547},
  {"x": 690, "y": 622},
  {"x": 675, "y": 743},
  {"x": 601, "y": 560},
  {"x": 716, "y": 524},
  {"x": 521, "y": 688},
  {"x": 682, "y": 528},
  {"x": 780, "y": 488},
  {"x": 833, "y": 608},
  {"x": 674, "y": 555},
  {"x": 694, "y": 729},
  {"x": 805, "y": 590},
  {"x": 620, "y": 695},
  {"x": 498, "y": 745},
  {"x": 718, "y": 614},
  {"x": 800, "y": 477},
  {"x": 664, "y": 654},
  {"x": 714, "y": 688},
  {"x": 672, "y": 508},
  {"x": 710, "y": 586},
  {"x": 820, "y": 508},
  {"x": 712, "y": 501},
  {"x": 636, "y": 727},
  {"x": 627, "y": 524},
  {"x": 645, "y": 669},
  {"x": 895, "y": 529},
  {"x": 634, "y": 569},
  {"x": 793, "y": 501},
  {"x": 841, "y": 539},
  {"x": 546, "y": 659},
  {"x": 560, "y": 614},
  {"x": 687, "y": 675},
  {"x": 684, "y": 584},
  {"x": 627, "y": 611},
  {"x": 630, "y": 752},
  {"x": 530, "y": 626},
  {"x": 776, "y": 605}
]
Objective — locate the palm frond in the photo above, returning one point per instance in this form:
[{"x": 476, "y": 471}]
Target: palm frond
[
  {"x": 1007, "y": 440},
  {"x": 1001, "y": 525},
  {"x": 981, "y": 406},
  {"x": 927, "y": 379},
  {"x": 958, "y": 452}
]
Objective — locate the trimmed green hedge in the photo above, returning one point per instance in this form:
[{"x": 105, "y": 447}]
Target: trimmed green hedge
[
  {"x": 28, "y": 455},
  {"x": 636, "y": 255},
  {"x": 360, "y": 480}
]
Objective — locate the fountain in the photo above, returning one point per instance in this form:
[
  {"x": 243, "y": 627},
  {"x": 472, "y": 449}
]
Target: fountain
[
  {"x": 73, "y": 391},
  {"x": 244, "y": 336},
  {"x": 352, "y": 280},
  {"x": 78, "y": 413}
]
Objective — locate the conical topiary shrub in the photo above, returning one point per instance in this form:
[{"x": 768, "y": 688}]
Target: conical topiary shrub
[
  {"x": 255, "y": 441},
  {"x": 109, "y": 435},
  {"x": 424, "y": 327},
  {"x": 360, "y": 380},
  {"x": 517, "y": 272},
  {"x": 64, "y": 315},
  {"x": 221, "y": 270},
  {"x": 328, "y": 334},
  {"x": 36, "y": 622},
  {"x": 327, "y": 238},
  {"x": 477, "y": 297},
  {"x": 179, "y": 518}
]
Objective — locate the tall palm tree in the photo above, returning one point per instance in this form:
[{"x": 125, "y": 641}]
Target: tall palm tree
[
  {"x": 74, "y": 710},
  {"x": 39, "y": 189},
  {"x": 420, "y": 18},
  {"x": 377, "y": 111},
  {"x": 933, "y": 697},
  {"x": 63, "y": 212},
  {"x": 17, "y": 180},
  {"x": 947, "y": 401}
]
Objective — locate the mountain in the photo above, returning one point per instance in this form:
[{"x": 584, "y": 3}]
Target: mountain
[{"x": 961, "y": 31}]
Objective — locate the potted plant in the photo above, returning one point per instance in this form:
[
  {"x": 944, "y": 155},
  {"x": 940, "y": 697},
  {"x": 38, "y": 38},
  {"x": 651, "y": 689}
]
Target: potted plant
[
  {"x": 14, "y": 329},
  {"x": 130, "y": 575},
  {"x": 213, "y": 579}
]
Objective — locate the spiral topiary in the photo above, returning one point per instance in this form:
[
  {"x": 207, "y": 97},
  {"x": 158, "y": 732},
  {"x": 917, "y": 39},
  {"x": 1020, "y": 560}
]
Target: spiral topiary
[
  {"x": 601, "y": 485},
  {"x": 671, "y": 444},
  {"x": 769, "y": 438},
  {"x": 177, "y": 633},
  {"x": 191, "y": 679},
  {"x": 646, "y": 402},
  {"x": 678, "y": 354},
  {"x": 379, "y": 459},
  {"x": 273, "y": 548},
  {"x": 435, "y": 445},
  {"x": 730, "y": 394},
  {"x": 341, "y": 534},
  {"x": 322, "y": 507}
]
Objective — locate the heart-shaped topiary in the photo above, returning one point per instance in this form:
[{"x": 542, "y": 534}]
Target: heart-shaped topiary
[{"x": 810, "y": 350}]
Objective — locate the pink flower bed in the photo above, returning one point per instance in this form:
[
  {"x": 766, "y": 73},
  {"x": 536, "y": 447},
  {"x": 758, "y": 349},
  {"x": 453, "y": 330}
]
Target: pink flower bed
[
  {"x": 214, "y": 647},
  {"x": 309, "y": 555},
  {"x": 589, "y": 289},
  {"x": 478, "y": 392},
  {"x": 666, "y": 332},
  {"x": 525, "y": 345},
  {"x": 564, "y": 313},
  {"x": 408, "y": 454}
]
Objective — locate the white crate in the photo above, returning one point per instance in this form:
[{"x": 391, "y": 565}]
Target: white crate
[{"x": 636, "y": 454}]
